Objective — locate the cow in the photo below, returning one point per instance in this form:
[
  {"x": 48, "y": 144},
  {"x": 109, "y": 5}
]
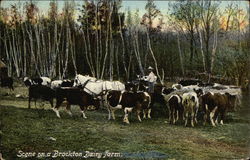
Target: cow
[
  {"x": 56, "y": 84},
  {"x": 215, "y": 104},
  {"x": 41, "y": 92},
  {"x": 62, "y": 83},
  {"x": 175, "y": 108},
  {"x": 127, "y": 101},
  {"x": 7, "y": 82},
  {"x": 190, "y": 82},
  {"x": 74, "y": 96},
  {"x": 190, "y": 104},
  {"x": 45, "y": 81}
]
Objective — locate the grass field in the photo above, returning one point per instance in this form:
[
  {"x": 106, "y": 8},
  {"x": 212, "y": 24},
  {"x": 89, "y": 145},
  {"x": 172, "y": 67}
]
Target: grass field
[{"x": 39, "y": 130}]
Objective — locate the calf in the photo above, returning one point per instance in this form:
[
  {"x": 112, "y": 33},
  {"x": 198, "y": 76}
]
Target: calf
[
  {"x": 74, "y": 96},
  {"x": 41, "y": 92},
  {"x": 190, "y": 104},
  {"x": 175, "y": 108},
  {"x": 7, "y": 82},
  {"x": 128, "y": 101}
]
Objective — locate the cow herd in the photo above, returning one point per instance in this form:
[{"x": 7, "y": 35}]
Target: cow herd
[{"x": 184, "y": 100}]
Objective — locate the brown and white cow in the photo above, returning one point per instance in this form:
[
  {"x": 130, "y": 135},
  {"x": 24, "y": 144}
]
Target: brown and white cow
[
  {"x": 74, "y": 96},
  {"x": 127, "y": 101},
  {"x": 215, "y": 104}
]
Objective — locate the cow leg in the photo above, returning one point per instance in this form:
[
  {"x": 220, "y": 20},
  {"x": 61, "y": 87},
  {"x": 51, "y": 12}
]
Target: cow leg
[
  {"x": 138, "y": 114},
  {"x": 109, "y": 110},
  {"x": 51, "y": 103},
  {"x": 126, "y": 111},
  {"x": 222, "y": 117},
  {"x": 68, "y": 109},
  {"x": 192, "y": 118},
  {"x": 56, "y": 110},
  {"x": 195, "y": 115},
  {"x": 113, "y": 113},
  {"x": 149, "y": 112},
  {"x": 216, "y": 116},
  {"x": 145, "y": 111},
  {"x": 83, "y": 111},
  {"x": 205, "y": 115},
  {"x": 186, "y": 118},
  {"x": 212, "y": 116},
  {"x": 177, "y": 115},
  {"x": 173, "y": 115},
  {"x": 125, "y": 119},
  {"x": 169, "y": 115}
]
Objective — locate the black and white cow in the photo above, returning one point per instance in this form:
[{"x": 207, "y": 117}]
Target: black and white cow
[
  {"x": 45, "y": 81},
  {"x": 41, "y": 92},
  {"x": 127, "y": 101},
  {"x": 74, "y": 96},
  {"x": 62, "y": 83},
  {"x": 175, "y": 108}
]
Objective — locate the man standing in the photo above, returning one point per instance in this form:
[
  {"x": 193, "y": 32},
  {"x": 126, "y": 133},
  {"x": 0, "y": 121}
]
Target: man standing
[{"x": 151, "y": 80}]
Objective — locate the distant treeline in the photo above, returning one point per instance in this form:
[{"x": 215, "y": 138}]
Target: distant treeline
[{"x": 193, "y": 39}]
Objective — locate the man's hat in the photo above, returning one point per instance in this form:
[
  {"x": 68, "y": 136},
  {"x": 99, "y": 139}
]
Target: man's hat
[{"x": 150, "y": 68}]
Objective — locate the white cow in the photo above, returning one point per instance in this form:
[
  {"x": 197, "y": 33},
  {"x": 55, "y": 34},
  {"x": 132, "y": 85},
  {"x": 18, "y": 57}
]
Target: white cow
[
  {"x": 46, "y": 81},
  {"x": 56, "y": 84}
]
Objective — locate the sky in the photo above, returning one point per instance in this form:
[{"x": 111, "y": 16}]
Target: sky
[{"x": 162, "y": 5}]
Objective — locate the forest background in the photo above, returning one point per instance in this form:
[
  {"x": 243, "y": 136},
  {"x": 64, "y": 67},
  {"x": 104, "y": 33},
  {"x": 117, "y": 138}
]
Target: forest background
[{"x": 117, "y": 40}]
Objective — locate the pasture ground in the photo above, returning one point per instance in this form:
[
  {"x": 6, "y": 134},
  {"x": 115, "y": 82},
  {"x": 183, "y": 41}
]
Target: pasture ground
[{"x": 39, "y": 130}]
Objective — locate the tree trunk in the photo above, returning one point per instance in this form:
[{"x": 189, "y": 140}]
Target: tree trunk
[
  {"x": 180, "y": 55},
  {"x": 155, "y": 61}
]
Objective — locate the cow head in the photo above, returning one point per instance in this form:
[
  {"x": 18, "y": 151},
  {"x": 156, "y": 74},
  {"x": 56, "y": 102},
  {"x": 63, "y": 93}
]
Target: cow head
[{"x": 199, "y": 92}]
